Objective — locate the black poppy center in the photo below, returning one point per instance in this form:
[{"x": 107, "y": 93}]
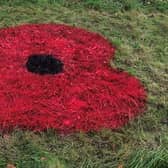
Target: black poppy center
[{"x": 44, "y": 64}]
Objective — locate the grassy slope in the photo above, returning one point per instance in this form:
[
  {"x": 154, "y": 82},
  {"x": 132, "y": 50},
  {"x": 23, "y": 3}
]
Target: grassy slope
[{"x": 139, "y": 32}]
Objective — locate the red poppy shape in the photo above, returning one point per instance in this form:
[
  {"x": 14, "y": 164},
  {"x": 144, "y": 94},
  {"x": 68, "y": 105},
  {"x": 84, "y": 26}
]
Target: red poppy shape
[{"x": 87, "y": 95}]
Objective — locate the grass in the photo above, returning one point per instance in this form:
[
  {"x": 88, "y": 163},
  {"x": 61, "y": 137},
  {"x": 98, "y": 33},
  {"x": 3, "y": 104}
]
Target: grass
[
  {"x": 149, "y": 159},
  {"x": 139, "y": 30}
]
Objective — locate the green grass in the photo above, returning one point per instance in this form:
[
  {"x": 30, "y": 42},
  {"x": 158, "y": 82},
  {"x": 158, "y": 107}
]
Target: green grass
[
  {"x": 139, "y": 30},
  {"x": 149, "y": 159}
]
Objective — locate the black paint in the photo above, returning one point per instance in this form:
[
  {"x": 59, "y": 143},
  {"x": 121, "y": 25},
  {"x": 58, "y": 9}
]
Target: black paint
[{"x": 44, "y": 64}]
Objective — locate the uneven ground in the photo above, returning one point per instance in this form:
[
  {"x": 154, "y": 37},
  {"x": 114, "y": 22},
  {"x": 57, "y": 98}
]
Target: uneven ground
[{"x": 138, "y": 29}]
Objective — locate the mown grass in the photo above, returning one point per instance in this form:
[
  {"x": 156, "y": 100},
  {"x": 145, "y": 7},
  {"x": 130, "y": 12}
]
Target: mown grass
[{"x": 139, "y": 30}]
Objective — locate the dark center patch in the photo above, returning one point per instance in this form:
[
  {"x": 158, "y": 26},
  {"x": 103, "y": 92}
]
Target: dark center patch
[{"x": 44, "y": 64}]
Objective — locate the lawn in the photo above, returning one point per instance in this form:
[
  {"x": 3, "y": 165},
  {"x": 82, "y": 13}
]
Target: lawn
[{"x": 139, "y": 29}]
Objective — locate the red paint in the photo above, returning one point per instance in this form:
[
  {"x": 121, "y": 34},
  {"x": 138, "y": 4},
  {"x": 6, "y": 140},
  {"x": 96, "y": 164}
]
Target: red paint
[{"x": 89, "y": 95}]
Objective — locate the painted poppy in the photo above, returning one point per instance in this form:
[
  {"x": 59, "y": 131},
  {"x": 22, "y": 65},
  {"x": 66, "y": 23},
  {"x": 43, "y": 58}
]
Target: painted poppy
[{"x": 59, "y": 77}]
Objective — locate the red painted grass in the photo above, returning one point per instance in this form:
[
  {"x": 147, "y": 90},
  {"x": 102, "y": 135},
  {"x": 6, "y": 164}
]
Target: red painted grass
[{"x": 88, "y": 95}]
